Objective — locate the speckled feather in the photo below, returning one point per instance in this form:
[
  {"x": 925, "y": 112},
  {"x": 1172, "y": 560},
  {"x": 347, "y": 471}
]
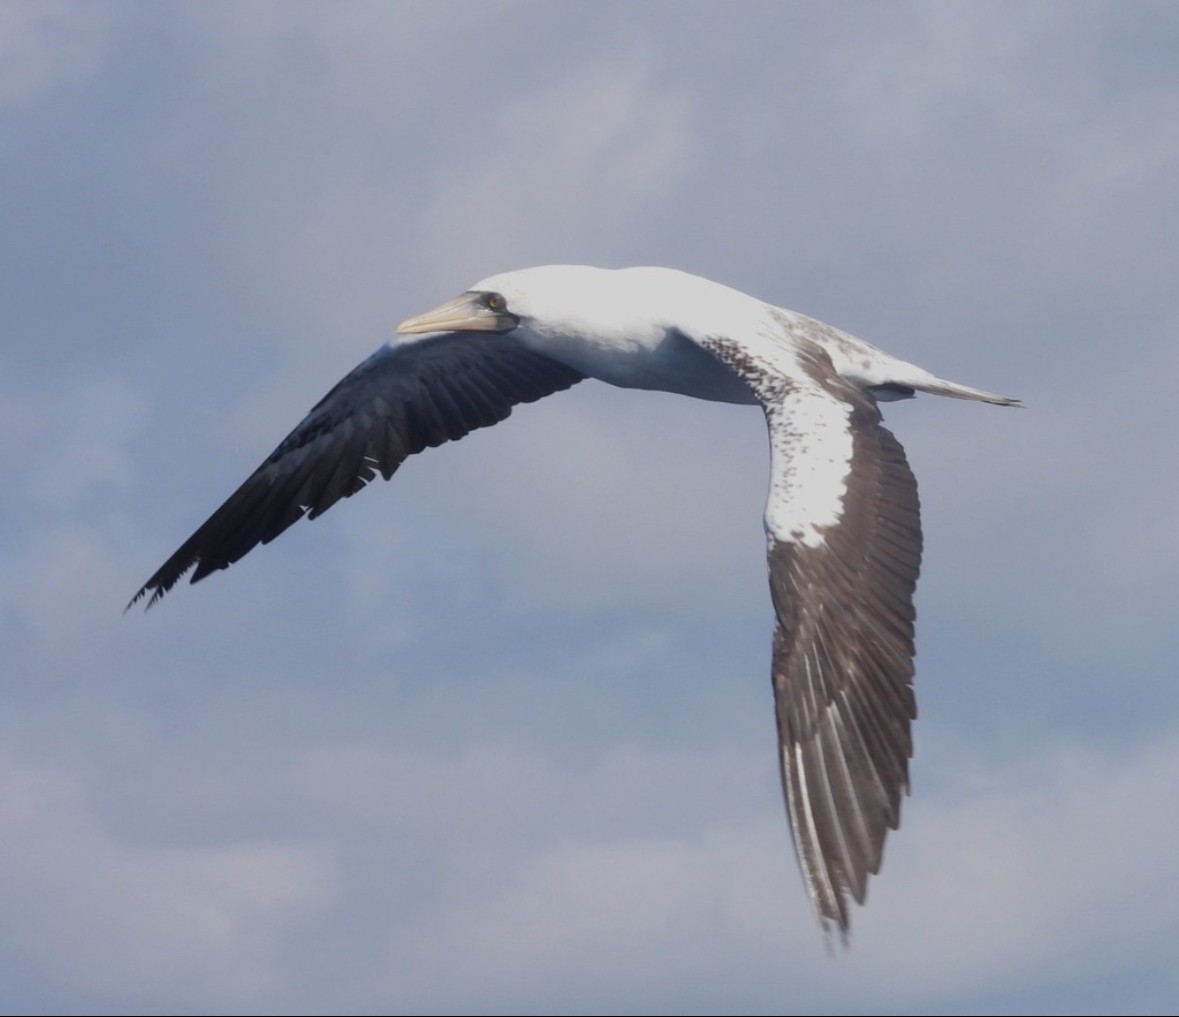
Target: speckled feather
[{"x": 842, "y": 519}]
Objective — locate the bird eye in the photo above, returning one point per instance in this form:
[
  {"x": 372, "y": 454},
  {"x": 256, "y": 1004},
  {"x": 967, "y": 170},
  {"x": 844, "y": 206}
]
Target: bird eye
[{"x": 496, "y": 302}]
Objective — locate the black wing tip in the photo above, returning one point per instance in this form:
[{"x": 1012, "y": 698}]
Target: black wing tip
[
  {"x": 157, "y": 592},
  {"x": 158, "y": 585}
]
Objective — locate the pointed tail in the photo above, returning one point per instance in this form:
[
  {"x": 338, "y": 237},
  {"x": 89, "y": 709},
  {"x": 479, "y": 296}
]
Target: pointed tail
[{"x": 939, "y": 386}]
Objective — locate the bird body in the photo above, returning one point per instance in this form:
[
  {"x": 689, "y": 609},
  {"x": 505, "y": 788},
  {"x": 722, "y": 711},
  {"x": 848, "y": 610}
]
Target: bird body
[
  {"x": 627, "y": 327},
  {"x": 842, "y": 518}
]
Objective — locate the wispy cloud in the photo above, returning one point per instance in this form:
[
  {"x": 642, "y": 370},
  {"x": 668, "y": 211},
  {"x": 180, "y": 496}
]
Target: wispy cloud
[{"x": 495, "y": 737}]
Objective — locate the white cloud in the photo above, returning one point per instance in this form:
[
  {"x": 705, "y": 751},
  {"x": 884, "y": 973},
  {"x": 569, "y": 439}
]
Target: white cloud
[
  {"x": 1037, "y": 865},
  {"x": 551, "y": 174},
  {"x": 497, "y": 736},
  {"x": 102, "y": 915},
  {"x": 643, "y": 868},
  {"x": 47, "y": 44}
]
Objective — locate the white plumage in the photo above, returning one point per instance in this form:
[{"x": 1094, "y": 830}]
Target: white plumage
[{"x": 842, "y": 519}]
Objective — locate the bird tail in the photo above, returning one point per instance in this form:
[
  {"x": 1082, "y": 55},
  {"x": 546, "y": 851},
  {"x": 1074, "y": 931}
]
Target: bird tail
[
  {"x": 885, "y": 376},
  {"x": 902, "y": 379},
  {"x": 939, "y": 386}
]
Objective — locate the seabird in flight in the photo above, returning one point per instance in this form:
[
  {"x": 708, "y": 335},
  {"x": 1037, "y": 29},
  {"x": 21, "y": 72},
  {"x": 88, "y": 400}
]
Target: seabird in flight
[{"x": 841, "y": 519}]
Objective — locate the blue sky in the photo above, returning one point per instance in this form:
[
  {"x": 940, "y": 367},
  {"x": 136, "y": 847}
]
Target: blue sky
[{"x": 496, "y": 737}]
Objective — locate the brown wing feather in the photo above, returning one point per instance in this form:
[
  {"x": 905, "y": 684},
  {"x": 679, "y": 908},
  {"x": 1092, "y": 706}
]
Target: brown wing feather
[
  {"x": 843, "y": 671},
  {"x": 843, "y": 596}
]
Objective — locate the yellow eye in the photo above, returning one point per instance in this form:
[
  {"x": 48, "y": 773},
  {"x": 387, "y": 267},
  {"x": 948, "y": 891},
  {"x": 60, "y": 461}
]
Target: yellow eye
[{"x": 496, "y": 302}]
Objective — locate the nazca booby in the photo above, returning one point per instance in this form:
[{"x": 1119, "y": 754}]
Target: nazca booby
[{"x": 841, "y": 519}]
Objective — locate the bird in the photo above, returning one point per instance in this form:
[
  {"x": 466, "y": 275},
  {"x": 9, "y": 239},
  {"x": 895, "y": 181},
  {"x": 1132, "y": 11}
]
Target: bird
[{"x": 842, "y": 519}]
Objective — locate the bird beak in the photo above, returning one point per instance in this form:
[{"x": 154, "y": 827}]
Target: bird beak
[{"x": 468, "y": 312}]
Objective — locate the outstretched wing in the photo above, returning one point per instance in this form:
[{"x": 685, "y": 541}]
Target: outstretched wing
[
  {"x": 408, "y": 395},
  {"x": 844, "y": 548}
]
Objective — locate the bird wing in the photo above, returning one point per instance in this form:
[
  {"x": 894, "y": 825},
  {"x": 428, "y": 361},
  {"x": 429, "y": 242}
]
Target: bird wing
[
  {"x": 408, "y": 395},
  {"x": 844, "y": 549}
]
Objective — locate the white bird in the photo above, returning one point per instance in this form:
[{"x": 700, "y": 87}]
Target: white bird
[{"x": 841, "y": 519}]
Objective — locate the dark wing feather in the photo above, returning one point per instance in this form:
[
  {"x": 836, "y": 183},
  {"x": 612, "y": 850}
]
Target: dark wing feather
[
  {"x": 843, "y": 596},
  {"x": 406, "y": 397},
  {"x": 843, "y": 671}
]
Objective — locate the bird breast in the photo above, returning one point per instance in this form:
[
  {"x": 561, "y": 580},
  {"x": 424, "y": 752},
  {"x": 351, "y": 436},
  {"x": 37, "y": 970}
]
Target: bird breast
[{"x": 666, "y": 362}]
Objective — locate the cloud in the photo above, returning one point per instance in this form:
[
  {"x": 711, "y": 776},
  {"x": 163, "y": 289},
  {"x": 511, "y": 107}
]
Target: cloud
[
  {"x": 643, "y": 866},
  {"x": 47, "y": 46},
  {"x": 496, "y": 737},
  {"x": 602, "y": 136},
  {"x": 104, "y": 916}
]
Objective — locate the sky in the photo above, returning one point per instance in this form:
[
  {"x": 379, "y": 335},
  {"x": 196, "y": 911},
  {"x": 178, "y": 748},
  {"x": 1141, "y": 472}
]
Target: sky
[{"x": 497, "y": 737}]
